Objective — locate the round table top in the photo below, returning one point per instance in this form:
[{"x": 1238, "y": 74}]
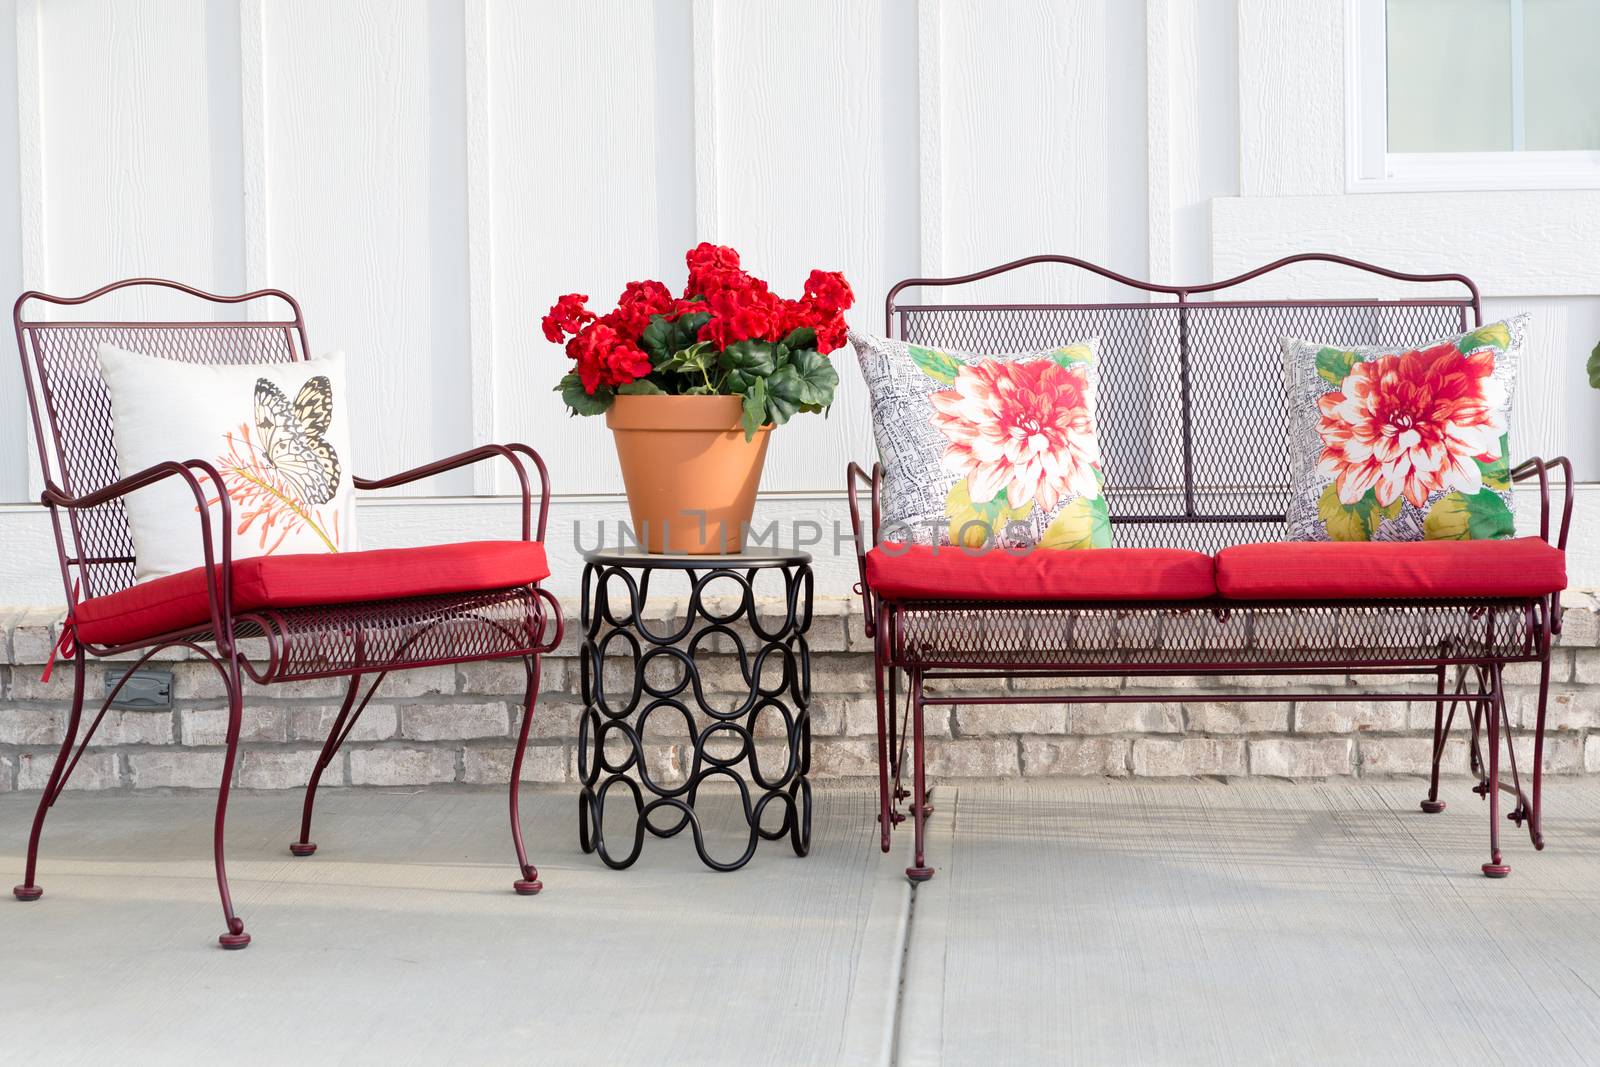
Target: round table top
[{"x": 750, "y": 557}]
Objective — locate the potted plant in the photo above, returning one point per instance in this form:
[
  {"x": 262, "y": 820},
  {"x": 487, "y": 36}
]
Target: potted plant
[{"x": 691, "y": 387}]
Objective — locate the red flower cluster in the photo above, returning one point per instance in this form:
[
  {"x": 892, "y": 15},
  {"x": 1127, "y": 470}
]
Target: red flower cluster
[
  {"x": 605, "y": 357},
  {"x": 568, "y": 316},
  {"x": 742, "y": 308}
]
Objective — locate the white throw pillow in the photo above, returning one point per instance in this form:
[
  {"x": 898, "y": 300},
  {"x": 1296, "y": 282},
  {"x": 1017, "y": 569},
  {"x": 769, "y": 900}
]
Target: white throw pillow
[{"x": 278, "y": 434}]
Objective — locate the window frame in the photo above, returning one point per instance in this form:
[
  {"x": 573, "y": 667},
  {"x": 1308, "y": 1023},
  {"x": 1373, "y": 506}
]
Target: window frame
[{"x": 1371, "y": 168}]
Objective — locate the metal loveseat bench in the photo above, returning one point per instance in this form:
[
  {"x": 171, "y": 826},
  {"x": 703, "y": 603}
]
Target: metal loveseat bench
[{"x": 1192, "y": 425}]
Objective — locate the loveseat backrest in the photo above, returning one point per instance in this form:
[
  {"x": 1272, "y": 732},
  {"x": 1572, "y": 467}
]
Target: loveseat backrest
[
  {"x": 1193, "y": 404},
  {"x": 72, "y": 413}
]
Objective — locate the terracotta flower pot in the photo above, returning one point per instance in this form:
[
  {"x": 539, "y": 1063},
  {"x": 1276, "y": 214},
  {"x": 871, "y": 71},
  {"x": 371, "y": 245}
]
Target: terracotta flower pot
[{"x": 691, "y": 476}]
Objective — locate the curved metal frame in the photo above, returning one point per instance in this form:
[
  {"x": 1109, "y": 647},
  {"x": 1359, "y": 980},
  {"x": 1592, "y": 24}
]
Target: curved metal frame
[
  {"x": 1478, "y": 684},
  {"x": 340, "y": 640},
  {"x": 605, "y": 717}
]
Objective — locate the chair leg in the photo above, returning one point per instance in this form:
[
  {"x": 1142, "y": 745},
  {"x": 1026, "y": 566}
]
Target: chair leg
[
  {"x": 29, "y": 889},
  {"x": 336, "y": 735},
  {"x": 919, "y": 871},
  {"x": 1495, "y": 868},
  {"x": 235, "y": 937},
  {"x": 529, "y": 883}
]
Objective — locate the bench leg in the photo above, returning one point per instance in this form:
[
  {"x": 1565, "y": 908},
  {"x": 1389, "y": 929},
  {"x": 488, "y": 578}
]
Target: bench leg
[
  {"x": 1495, "y": 868},
  {"x": 1442, "y": 721},
  {"x": 1529, "y": 810},
  {"x": 885, "y": 721},
  {"x": 529, "y": 883},
  {"x": 919, "y": 871},
  {"x": 1433, "y": 805},
  {"x": 29, "y": 889}
]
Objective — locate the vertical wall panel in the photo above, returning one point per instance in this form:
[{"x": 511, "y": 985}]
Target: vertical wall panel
[
  {"x": 1291, "y": 97},
  {"x": 573, "y": 133},
  {"x": 365, "y": 209},
  {"x": 1023, "y": 135},
  {"x": 129, "y": 142},
  {"x": 796, "y": 125},
  {"x": 16, "y": 435}
]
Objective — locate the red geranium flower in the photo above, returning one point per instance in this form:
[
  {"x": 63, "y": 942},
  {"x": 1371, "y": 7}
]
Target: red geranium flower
[
  {"x": 712, "y": 268},
  {"x": 829, "y": 291},
  {"x": 639, "y": 302},
  {"x": 568, "y": 315},
  {"x": 832, "y": 335},
  {"x": 605, "y": 357},
  {"x": 752, "y": 313}
]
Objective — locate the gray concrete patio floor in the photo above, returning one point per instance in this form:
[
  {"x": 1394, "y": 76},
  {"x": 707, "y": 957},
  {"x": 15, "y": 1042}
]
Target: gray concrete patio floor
[{"x": 1082, "y": 922}]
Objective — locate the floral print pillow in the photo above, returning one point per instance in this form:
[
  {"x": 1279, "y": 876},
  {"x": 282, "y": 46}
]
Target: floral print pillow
[
  {"x": 1403, "y": 445},
  {"x": 987, "y": 451}
]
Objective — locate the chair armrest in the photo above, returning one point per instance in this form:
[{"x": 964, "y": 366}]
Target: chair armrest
[
  {"x": 855, "y": 477},
  {"x": 219, "y": 572},
  {"x": 509, "y": 452},
  {"x": 1540, "y": 469}
]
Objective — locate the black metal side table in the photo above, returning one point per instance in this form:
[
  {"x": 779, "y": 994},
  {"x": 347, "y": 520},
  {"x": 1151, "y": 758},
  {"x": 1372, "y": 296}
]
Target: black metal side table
[{"x": 658, "y": 667}]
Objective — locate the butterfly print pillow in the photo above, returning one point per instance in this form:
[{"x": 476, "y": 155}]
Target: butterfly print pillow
[{"x": 277, "y": 433}]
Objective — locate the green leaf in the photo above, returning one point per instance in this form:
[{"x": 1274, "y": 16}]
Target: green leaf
[
  {"x": 581, "y": 403},
  {"x": 978, "y": 525},
  {"x": 800, "y": 337},
  {"x": 754, "y": 412},
  {"x": 1488, "y": 518},
  {"x": 1354, "y": 522},
  {"x": 656, "y": 340},
  {"x": 1072, "y": 355},
  {"x": 935, "y": 364},
  {"x": 642, "y": 387},
  {"x": 661, "y": 339},
  {"x": 784, "y": 391},
  {"x": 696, "y": 359},
  {"x": 1483, "y": 516},
  {"x": 1080, "y": 524},
  {"x": 1493, "y": 335},
  {"x": 701, "y": 390},
  {"x": 1594, "y": 368},
  {"x": 757, "y": 359},
  {"x": 817, "y": 377},
  {"x": 1333, "y": 364},
  {"x": 1497, "y": 473},
  {"x": 1447, "y": 520}
]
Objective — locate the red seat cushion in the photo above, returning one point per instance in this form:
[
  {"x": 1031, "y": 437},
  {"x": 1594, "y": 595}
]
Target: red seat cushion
[
  {"x": 1358, "y": 570},
  {"x": 921, "y": 572},
  {"x": 179, "y": 601}
]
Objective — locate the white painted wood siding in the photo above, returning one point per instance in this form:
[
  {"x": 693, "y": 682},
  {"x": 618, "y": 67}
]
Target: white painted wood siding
[{"x": 427, "y": 175}]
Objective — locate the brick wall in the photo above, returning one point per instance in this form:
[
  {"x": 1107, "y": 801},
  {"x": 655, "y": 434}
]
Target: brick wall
[{"x": 453, "y": 724}]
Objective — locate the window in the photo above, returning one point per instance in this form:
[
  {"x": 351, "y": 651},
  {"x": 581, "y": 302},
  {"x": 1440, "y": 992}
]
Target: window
[{"x": 1473, "y": 94}]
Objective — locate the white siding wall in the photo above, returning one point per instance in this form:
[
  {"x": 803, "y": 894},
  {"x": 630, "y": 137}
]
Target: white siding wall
[{"x": 426, "y": 175}]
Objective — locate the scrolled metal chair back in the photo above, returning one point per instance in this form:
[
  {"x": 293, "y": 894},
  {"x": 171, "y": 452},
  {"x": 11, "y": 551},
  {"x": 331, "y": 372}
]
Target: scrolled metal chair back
[{"x": 71, "y": 412}]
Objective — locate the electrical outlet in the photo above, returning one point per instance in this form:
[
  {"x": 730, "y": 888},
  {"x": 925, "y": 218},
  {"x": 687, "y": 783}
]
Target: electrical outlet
[{"x": 146, "y": 690}]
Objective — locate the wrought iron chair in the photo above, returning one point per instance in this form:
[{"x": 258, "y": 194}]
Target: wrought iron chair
[{"x": 498, "y": 612}]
